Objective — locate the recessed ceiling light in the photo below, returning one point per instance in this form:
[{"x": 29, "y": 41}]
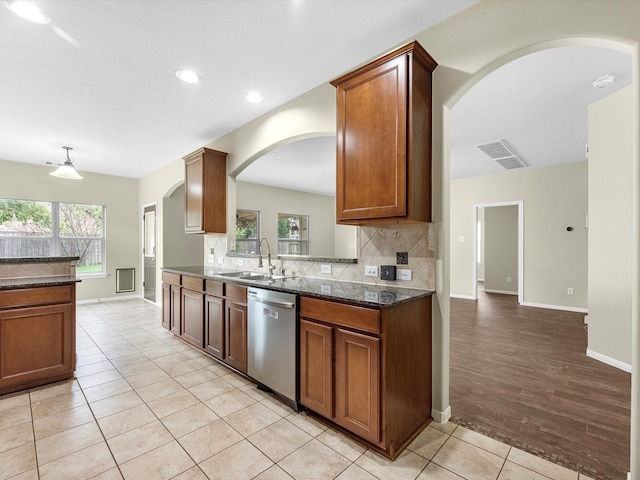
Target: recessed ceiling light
[
  {"x": 188, "y": 76},
  {"x": 254, "y": 97},
  {"x": 28, "y": 11}
]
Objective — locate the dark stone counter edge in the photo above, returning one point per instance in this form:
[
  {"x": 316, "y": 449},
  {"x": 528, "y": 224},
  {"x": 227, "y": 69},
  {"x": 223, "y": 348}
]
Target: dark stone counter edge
[
  {"x": 37, "y": 259},
  {"x": 352, "y": 292},
  {"x": 298, "y": 258},
  {"x": 29, "y": 282}
]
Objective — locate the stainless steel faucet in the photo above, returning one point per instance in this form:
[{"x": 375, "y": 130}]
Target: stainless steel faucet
[{"x": 271, "y": 266}]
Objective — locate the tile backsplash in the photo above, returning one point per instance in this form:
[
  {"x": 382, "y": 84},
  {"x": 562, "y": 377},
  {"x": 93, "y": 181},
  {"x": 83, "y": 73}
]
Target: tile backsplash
[{"x": 378, "y": 246}]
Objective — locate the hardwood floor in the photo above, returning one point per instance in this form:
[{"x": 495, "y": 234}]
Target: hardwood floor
[{"x": 521, "y": 375}]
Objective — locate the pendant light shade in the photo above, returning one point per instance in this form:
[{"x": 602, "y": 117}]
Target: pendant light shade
[{"x": 66, "y": 169}]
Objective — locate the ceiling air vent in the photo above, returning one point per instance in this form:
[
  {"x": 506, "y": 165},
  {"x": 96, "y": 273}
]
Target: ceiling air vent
[{"x": 502, "y": 154}]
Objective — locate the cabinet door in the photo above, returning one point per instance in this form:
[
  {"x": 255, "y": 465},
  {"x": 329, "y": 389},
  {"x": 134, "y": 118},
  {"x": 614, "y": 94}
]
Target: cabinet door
[
  {"x": 176, "y": 310},
  {"x": 166, "y": 306},
  {"x": 316, "y": 369},
  {"x": 36, "y": 344},
  {"x": 372, "y": 143},
  {"x": 193, "y": 317},
  {"x": 358, "y": 384},
  {"x": 194, "y": 195},
  {"x": 236, "y": 335},
  {"x": 214, "y": 326}
]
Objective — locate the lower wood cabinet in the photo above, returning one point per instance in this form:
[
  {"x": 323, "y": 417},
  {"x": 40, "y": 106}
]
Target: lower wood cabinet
[
  {"x": 208, "y": 314},
  {"x": 368, "y": 370},
  {"x": 37, "y": 336}
]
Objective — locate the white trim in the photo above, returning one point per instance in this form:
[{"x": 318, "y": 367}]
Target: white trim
[
  {"x": 86, "y": 276},
  {"x": 464, "y": 297},
  {"x": 609, "y": 361},
  {"x": 107, "y": 299},
  {"x": 556, "y": 307},
  {"x": 441, "y": 417},
  {"x": 503, "y": 292}
]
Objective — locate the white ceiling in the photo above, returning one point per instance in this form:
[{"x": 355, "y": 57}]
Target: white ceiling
[{"x": 100, "y": 78}]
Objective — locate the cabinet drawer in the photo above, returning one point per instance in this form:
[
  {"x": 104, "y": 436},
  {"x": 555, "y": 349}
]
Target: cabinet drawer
[
  {"x": 214, "y": 287},
  {"x": 193, "y": 283},
  {"x": 172, "y": 278},
  {"x": 35, "y": 296},
  {"x": 237, "y": 292},
  {"x": 360, "y": 318}
]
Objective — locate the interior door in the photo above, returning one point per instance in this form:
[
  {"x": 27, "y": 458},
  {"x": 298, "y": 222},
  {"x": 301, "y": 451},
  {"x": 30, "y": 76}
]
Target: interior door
[{"x": 149, "y": 253}]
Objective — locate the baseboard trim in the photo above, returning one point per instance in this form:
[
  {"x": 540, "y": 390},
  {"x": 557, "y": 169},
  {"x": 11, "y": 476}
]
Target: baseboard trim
[
  {"x": 441, "y": 417},
  {"x": 464, "y": 297},
  {"x": 556, "y": 307},
  {"x": 107, "y": 299},
  {"x": 503, "y": 292},
  {"x": 608, "y": 360}
]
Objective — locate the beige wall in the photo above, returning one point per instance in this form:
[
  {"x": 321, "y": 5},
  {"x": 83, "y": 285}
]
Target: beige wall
[
  {"x": 270, "y": 201},
  {"x": 180, "y": 248},
  {"x": 610, "y": 208},
  {"x": 554, "y": 198},
  {"x": 119, "y": 194},
  {"x": 501, "y": 249}
]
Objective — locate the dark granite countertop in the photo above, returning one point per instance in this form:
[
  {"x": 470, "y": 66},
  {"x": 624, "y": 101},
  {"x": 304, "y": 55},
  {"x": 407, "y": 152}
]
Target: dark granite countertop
[
  {"x": 29, "y": 282},
  {"x": 36, "y": 259},
  {"x": 360, "y": 293}
]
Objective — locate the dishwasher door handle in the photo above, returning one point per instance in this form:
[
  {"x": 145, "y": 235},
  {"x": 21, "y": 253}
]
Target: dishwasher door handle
[{"x": 253, "y": 298}]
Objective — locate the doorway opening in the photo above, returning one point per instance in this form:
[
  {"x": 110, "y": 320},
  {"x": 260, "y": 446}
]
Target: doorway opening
[{"x": 149, "y": 235}]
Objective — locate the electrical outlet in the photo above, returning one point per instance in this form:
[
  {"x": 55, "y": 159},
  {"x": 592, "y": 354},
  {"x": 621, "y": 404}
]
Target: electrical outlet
[
  {"x": 570, "y": 291},
  {"x": 212, "y": 251},
  {"x": 370, "y": 271},
  {"x": 403, "y": 274},
  {"x": 402, "y": 258},
  {"x": 240, "y": 262},
  {"x": 325, "y": 268},
  {"x": 220, "y": 261},
  {"x": 509, "y": 279}
]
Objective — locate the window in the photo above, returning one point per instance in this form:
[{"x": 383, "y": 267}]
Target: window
[
  {"x": 47, "y": 229},
  {"x": 247, "y": 231},
  {"x": 293, "y": 234}
]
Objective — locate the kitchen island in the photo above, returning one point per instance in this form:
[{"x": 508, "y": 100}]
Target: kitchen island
[
  {"x": 37, "y": 321},
  {"x": 363, "y": 352}
]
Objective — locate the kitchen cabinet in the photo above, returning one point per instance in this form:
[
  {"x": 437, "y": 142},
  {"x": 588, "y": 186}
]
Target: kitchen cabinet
[
  {"x": 193, "y": 296},
  {"x": 206, "y": 191},
  {"x": 172, "y": 302},
  {"x": 235, "y": 319},
  {"x": 384, "y": 140},
  {"x": 37, "y": 336},
  {"x": 214, "y": 319},
  {"x": 209, "y": 314},
  {"x": 367, "y": 370}
]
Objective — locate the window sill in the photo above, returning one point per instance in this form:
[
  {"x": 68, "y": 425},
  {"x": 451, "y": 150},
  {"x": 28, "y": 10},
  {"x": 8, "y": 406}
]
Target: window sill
[{"x": 92, "y": 275}]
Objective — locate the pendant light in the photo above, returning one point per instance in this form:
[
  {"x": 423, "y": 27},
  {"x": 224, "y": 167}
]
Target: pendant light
[{"x": 66, "y": 169}]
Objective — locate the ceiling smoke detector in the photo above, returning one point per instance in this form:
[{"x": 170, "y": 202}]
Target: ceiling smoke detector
[
  {"x": 603, "y": 81},
  {"x": 502, "y": 154}
]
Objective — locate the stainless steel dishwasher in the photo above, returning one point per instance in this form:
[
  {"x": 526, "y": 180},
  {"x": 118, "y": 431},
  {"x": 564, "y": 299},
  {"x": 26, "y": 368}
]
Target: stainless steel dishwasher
[{"x": 272, "y": 342}]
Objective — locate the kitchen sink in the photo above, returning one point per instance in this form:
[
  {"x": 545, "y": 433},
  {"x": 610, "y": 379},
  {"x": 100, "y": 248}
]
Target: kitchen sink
[{"x": 244, "y": 275}]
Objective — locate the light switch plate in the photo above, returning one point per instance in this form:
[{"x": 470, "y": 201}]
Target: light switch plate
[
  {"x": 325, "y": 268},
  {"x": 370, "y": 271},
  {"x": 240, "y": 262},
  {"x": 220, "y": 261}
]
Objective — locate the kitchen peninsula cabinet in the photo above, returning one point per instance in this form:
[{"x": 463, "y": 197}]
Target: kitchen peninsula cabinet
[
  {"x": 37, "y": 336},
  {"x": 368, "y": 369},
  {"x": 384, "y": 140},
  {"x": 206, "y": 191},
  {"x": 214, "y": 319}
]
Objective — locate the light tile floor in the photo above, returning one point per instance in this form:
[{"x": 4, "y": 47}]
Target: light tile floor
[{"x": 145, "y": 405}]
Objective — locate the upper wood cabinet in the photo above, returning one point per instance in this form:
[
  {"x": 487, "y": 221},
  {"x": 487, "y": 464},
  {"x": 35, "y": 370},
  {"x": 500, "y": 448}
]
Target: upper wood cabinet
[
  {"x": 384, "y": 140},
  {"x": 206, "y": 191}
]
